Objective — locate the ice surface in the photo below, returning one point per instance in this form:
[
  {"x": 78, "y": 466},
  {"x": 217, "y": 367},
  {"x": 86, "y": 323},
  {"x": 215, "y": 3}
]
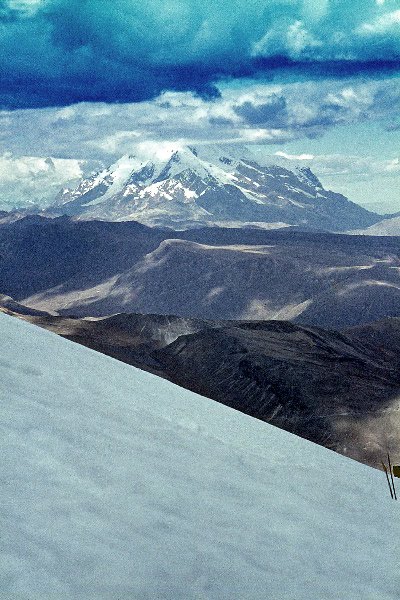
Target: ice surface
[{"x": 118, "y": 485}]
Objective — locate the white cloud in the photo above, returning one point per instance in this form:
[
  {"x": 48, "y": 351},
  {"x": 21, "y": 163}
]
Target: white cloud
[
  {"x": 29, "y": 179},
  {"x": 392, "y": 166},
  {"x": 382, "y": 24},
  {"x": 354, "y": 166},
  {"x": 102, "y": 132},
  {"x": 315, "y": 10},
  {"x": 300, "y": 39},
  {"x": 158, "y": 150},
  {"x": 14, "y": 169},
  {"x": 25, "y": 7},
  {"x": 291, "y": 38},
  {"x": 295, "y": 156},
  {"x": 117, "y": 141},
  {"x": 269, "y": 136}
]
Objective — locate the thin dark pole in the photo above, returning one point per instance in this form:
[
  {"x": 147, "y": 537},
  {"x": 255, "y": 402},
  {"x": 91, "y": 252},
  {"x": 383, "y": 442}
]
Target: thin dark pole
[
  {"x": 391, "y": 477},
  {"x": 387, "y": 478}
]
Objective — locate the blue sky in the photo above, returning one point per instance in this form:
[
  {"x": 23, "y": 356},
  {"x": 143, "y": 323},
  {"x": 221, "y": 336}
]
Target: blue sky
[{"x": 88, "y": 80}]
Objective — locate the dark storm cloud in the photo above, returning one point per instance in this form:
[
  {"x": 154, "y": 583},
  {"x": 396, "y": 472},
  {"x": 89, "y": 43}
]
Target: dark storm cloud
[
  {"x": 272, "y": 113},
  {"x": 58, "y": 52}
]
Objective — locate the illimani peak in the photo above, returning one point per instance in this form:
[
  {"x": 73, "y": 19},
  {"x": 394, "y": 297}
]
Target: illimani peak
[{"x": 211, "y": 185}]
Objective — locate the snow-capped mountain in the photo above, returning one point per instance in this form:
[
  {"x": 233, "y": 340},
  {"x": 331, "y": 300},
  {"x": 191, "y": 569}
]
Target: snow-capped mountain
[
  {"x": 118, "y": 484},
  {"x": 220, "y": 185}
]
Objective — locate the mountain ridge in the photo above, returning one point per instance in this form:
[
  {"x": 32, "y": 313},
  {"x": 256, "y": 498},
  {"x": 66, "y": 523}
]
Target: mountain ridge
[
  {"x": 118, "y": 484},
  {"x": 210, "y": 186},
  {"x": 94, "y": 268},
  {"x": 340, "y": 390}
]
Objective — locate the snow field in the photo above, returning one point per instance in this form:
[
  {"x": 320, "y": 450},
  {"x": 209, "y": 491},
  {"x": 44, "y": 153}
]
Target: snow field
[{"x": 118, "y": 485}]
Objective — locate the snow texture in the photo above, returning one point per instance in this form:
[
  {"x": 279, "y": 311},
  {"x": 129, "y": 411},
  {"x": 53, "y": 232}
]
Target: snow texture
[{"x": 118, "y": 485}]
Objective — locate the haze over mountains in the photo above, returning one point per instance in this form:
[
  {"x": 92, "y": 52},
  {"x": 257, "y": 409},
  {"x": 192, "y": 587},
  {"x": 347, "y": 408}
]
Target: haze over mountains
[
  {"x": 199, "y": 309},
  {"x": 93, "y": 268},
  {"x": 210, "y": 185},
  {"x": 340, "y": 390},
  {"x": 390, "y": 225},
  {"x": 105, "y": 464}
]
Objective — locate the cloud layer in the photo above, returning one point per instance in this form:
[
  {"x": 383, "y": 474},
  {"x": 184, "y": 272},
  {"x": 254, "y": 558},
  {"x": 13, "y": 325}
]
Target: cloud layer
[
  {"x": 255, "y": 112},
  {"x": 57, "y": 52},
  {"x": 274, "y": 117},
  {"x": 31, "y": 180}
]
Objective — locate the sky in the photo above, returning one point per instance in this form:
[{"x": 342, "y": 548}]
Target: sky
[{"x": 89, "y": 80}]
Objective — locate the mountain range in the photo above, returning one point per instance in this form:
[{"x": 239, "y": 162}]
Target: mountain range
[
  {"x": 210, "y": 185},
  {"x": 119, "y": 483},
  {"x": 94, "y": 268}
]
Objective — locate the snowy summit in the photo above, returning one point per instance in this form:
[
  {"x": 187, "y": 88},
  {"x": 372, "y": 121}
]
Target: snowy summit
[{"x": 210, "y": 185}]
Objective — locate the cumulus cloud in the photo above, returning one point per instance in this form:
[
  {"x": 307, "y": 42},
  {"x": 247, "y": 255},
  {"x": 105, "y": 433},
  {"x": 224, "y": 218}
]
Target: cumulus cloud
[
  {"x": 58, "y": 52},
  {"x": 382, "y": 24},
  {"x": 295, "y": 156},
  {"x": 255, "y": 112},
  {"x": 273, "y": 111},
  {"x": 31, "y": 180},
  {"x": 261, "y": 114},
  {"x": 310, "y": 109}
]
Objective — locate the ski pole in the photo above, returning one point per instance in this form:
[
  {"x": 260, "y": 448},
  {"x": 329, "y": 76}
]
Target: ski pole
[
  {"x": 387, "y": 478},
  {"x": 391, "y": 477}
]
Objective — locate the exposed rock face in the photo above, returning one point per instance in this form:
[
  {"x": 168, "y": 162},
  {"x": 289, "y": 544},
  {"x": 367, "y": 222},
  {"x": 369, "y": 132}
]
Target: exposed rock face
[{"x": 341, "y": 390}]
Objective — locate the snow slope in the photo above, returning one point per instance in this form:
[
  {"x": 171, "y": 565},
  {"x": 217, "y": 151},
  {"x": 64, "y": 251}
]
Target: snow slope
[{"x": 120, "y": 485}]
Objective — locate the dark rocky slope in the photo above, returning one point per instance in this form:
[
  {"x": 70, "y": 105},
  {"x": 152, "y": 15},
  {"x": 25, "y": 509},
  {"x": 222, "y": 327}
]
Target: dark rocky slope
[
  {"x": 341, "y": 390},
  {"x": 96, "y": 268}
]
